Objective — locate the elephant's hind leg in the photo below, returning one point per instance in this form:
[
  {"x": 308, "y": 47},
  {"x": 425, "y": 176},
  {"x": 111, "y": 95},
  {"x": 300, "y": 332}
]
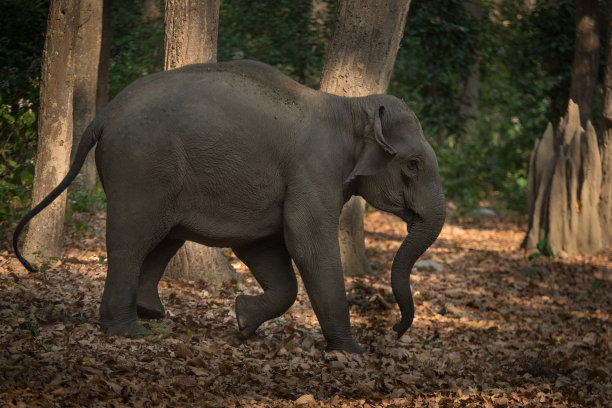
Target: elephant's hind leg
[
  {"x": 149, "y": 306},
  {"x": 270, "y": 263},
  {"x": 133, "y": 231},
  {"x": 118, "y": 307}
]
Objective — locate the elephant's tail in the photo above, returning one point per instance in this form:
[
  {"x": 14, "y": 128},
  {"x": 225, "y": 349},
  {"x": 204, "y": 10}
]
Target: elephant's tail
[{"x": 88, "y": 141}]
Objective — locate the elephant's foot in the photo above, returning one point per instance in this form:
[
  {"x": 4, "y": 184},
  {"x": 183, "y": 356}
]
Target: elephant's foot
[
  {"x": 129, "y": 329},
  {"x": 150, "y": 310},
  {"x": 148, "y": 305},
  {"x": 247, "y": 324},
  {"x": 350, "y": 346}
]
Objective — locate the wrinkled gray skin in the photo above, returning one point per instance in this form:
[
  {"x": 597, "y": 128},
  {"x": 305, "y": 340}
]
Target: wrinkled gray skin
[{"x": 238, "y": 155}]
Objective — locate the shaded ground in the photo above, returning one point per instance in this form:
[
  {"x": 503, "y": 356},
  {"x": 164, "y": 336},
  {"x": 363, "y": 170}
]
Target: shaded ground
[{"x": 493, "y": 329}]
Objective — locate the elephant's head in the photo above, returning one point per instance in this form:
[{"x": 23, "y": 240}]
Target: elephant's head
[{"x": 396, "y": 171}]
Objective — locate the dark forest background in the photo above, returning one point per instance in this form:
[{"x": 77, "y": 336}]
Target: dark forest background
[{"x": 522, "y": 53}]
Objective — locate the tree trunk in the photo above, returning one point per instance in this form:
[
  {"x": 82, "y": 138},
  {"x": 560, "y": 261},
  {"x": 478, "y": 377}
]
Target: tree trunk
[
  {"x": 563, "y": 188},
  {"x": 586, "y": 58},
  {"x": 605, "y": 147},
  {"x": 45, "y": 232},
  {"x": 86, "y": 64},
  {"x": 191, "y": 32},
  {"x": 468, "y": 99},
  {"x": 151, "y": 10},
  {"x": 191, "y": 37},
  {"x": 105, "y": 56},
  {"x": 359, "y": 62},
  {"x": 320, "y": 32}
]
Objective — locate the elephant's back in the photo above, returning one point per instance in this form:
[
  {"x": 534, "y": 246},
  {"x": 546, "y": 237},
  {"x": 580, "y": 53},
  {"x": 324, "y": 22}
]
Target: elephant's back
[
  {"x": 246, "y": 92},
  {"x": 245, "y": 74},
  {"x": 206, "y": 114}
]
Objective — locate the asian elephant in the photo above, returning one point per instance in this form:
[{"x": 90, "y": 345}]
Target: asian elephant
[{"x": 236, "y": 154}]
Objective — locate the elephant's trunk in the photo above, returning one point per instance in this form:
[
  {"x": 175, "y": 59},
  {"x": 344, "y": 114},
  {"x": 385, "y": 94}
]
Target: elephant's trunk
[{"x": 421, "y": 235}]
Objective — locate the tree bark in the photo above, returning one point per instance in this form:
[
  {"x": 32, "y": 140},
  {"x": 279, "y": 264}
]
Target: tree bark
[
  {"x": 359, "y": 62},
  {"x": 605, "y": 147},
  {"x": 151, "y": 10},
  {"x": 45, "y": 232},
  {"x": 105, "y": 56},
  {"x": 191, "y": 37},
  {"x": 86, "y": 64},
  {"x": 191, "y": 32},
  {"x": 586, "y": 58},
  {"x": 468, "y": 99}
]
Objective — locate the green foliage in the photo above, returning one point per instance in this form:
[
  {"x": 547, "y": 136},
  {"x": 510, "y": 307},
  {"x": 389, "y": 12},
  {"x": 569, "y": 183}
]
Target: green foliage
[
  {"x": 17, "y": 151},
  {"x": 525, "y": 61},
  {"x": 282, "y": 33},
  {"x": 543, "y": 250},
  {"x": 544, "y": 38},
  {"x": 43, "y": 263},
  {"x": 460, "y": 172},
  {"x": 83, "y": 201},
  {"x": 31, "y": 326},
  {"x": 524, "y": 58},
  {"x": 138, "y": 41},
  {"x": 21, "y": 43},
  {"x": 435, "y": 55},
  {"x": 156, "y": 328}
]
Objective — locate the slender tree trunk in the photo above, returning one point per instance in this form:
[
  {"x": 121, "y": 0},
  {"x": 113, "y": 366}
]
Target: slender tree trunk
[
  {"x": 105, "y": 56},
  {"x": 359, "y": 62},
  {"x": 151, "y": 10},
  {"x": 468, "y": 99},
  {"x": 191, "y": 37},
  {"x": 45, "y": 232},
  {"x": 605, "y": 146},
  {"x": 86, "y": 65},
  {"x": 586, "y": 58},
  {"x": 530, "y": 5},
  {"x": 320, "y": 31}
]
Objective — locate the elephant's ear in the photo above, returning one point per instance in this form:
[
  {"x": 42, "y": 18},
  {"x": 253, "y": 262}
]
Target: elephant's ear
[{"x": 376, "y": 152}]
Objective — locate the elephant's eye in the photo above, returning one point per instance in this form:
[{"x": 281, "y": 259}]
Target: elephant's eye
[{"x": 411, "y": 170}]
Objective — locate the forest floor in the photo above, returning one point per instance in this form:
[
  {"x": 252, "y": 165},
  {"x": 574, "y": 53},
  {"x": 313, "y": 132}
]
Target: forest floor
[{"x": 492, "y": 329}]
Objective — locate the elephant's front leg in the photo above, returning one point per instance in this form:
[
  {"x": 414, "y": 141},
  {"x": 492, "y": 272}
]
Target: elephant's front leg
[
  {"x": 312, "y": 241},
  {"x": 270, "y": 263}
]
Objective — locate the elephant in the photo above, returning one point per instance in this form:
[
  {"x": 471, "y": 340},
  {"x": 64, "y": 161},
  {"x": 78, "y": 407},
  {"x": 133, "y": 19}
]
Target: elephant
[{"x": 236, "y": 154}]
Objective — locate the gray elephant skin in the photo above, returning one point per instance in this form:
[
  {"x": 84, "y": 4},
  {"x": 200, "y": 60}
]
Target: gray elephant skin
[{"x": 236, "y": 154}]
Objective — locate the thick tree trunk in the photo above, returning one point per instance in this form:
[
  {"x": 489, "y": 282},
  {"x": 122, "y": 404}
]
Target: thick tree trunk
[
  {"x": 86, "y": 64},
  {"x": 191, "y": 37},
  {"x": 563, "y": 188},
  {"x": 605, "y": 147},
  {"x": 586, "y": 58},
  {"x": 45, "y": 232},
  {"x": 191, "y": 32},
  {"x": 359, "y": 62},
  {"x": 105, "y": 56}
]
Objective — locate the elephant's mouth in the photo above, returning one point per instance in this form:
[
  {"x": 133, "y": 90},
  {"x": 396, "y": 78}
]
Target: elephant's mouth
[
  {"x": 410, "y": 217},
  {"x": 407, "y": 213}
]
